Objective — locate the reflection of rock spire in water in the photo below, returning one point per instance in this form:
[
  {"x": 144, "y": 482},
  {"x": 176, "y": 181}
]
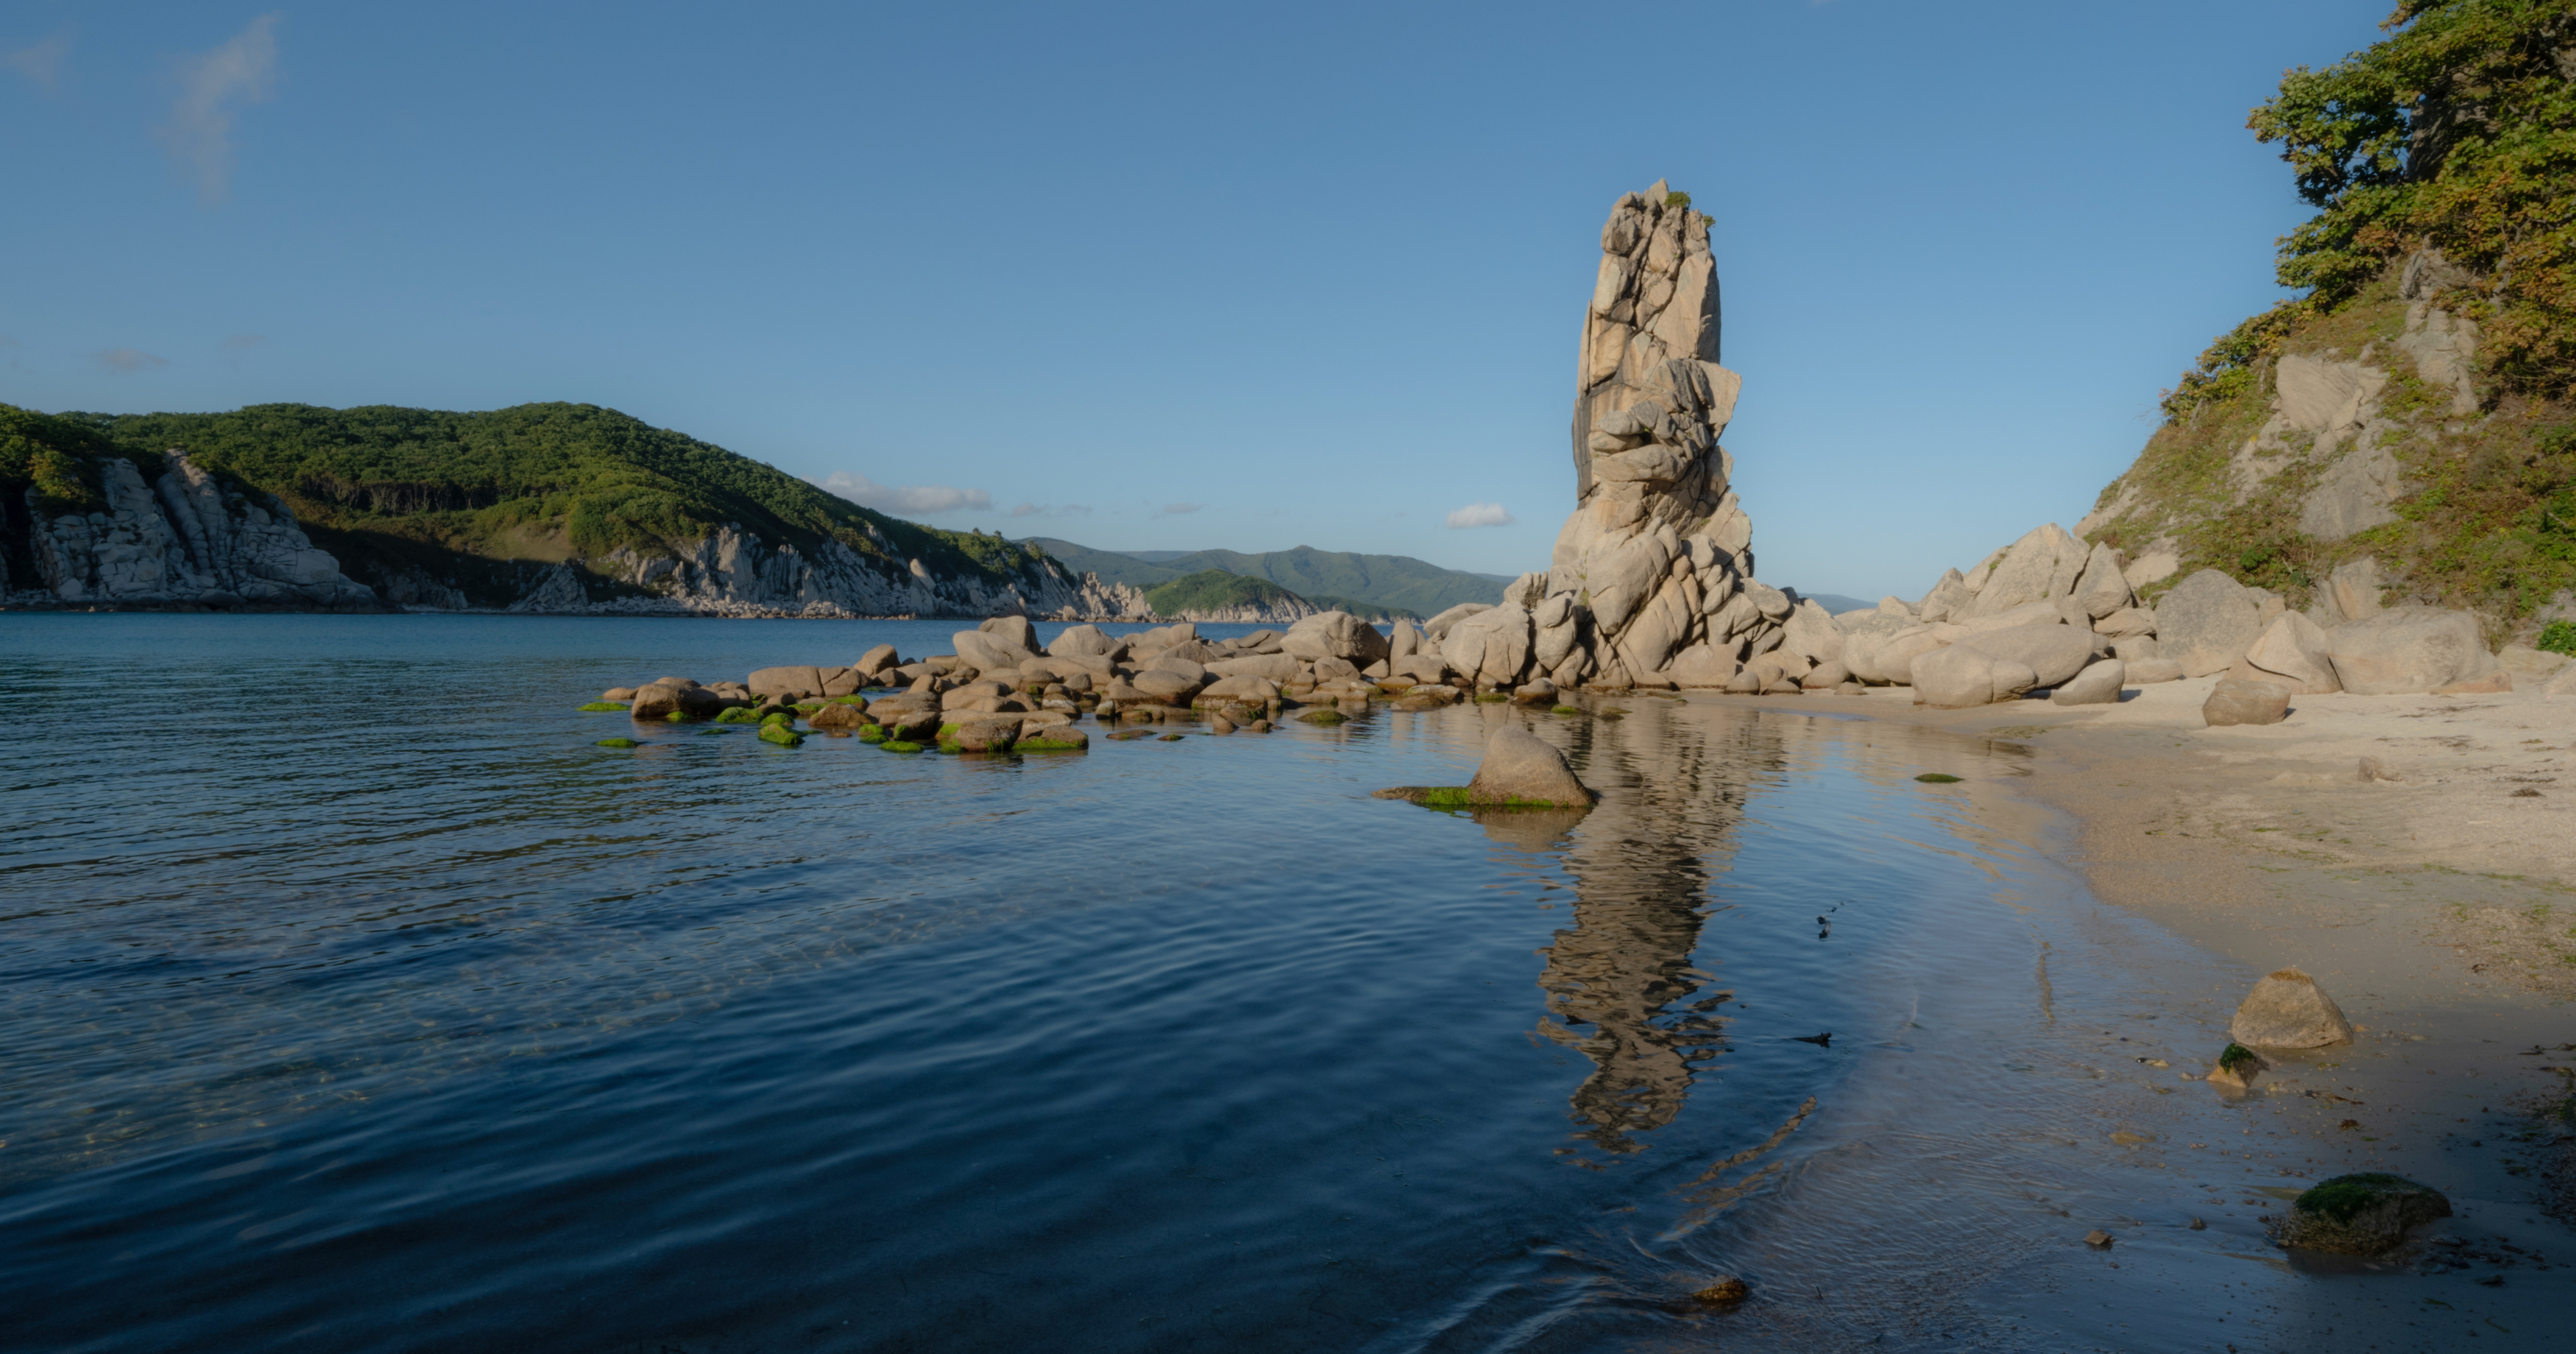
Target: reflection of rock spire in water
[{"x": 1641, "y": 868}]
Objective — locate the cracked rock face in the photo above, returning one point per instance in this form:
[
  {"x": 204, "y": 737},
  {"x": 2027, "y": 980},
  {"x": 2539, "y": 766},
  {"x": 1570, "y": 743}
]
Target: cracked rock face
[
  {"x": 187, "y": 539},
  {"x": 1652, "y": 575}
]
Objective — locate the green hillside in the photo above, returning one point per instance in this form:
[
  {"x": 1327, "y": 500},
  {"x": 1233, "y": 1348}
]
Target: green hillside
[
  {"x": 1397, "y": 583},
  {"x": 2441, "y": 159},
  {"x": 1212, "y": 590},
  {"x": 474, "y": 494}
]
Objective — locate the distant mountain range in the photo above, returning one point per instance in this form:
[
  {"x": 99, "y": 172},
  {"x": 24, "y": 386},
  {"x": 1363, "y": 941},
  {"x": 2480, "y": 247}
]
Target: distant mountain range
[{"x": 1331, "y": 579}]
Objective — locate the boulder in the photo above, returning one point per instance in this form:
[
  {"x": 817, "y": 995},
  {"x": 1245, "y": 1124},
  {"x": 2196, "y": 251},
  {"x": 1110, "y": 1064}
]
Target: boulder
[
  {"x": 990, "y": 733},
  {"x": 911, "y": 724},
  {"x": 2352, "y": 590},
  {"x": 2045, "y": 611},
  {"x": 2408, "y": 649},
  {"x": 2206, "y": 623},
  {"x": 1490, "y": 648},
  {"x": 875, "y": 663},
  {"x": 1083, "y": 640},
  {"x": 1827, "y": 676},
  {"x": 982, "y": 694},
  {"x": 1403, "y": 639},
  {"x": 986, "y": 652},
  {"x": 1437, "y": 628},
  {"x": 1335, "y": 670},
  {"x": 838, "y": 716},
  {"x": 2097, "y": 684},
  {"x": 2362, "y": 1214},
  {"x": 619, "y": 694},
  {"x": 1014, "y": 631},
  {"x": 2053, "y": 653},
  {"x": 1813, "y": 633},
  {"x": 1536, "y": 691},
  {"x": 1420, "y": 667},
  {"x": 1947, "y": 599},
  {"x": 841, "y": 682},
  {"x": 2239, "y": 700},
  {"x": 1962, "y": 675},
  {"x": 1177, "y": 660},
  {"x": 2100, "y": 590},
  {"x": 2293, "y": 651},
  {"x": 1278, "y": 667},
  {"x": 1246, "y": 689},
  {"x": 1895, "y": 658},
  {"x": 2030, "y": 569},
  {"x": 789, "y": 681},
  {"x": 1164, "y": 688},
  {"x": 1335, "y": 634},
  {"x": 1052, "y": 738},
  {"x": 661, "y": 701},
  {"x": 1520, "y": 768},
  {"x": 2126, "y": 622},
  {"x": 2287, "y": 1009},
  {"x": 2148, "y": 671}
]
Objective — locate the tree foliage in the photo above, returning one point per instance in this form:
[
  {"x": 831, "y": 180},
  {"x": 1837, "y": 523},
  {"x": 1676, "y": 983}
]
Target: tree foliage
[{"x": 2455, "y": 133}]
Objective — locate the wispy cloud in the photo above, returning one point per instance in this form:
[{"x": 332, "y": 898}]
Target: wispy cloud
[
  {"x": 127, "y": 361},
  {"x": 1481, "y": 515},
  {"x": 244, "y": 342},
  {"x": 911, "y": 499},
  {"x": 199, "y": 133},
  {"x": 1052, "y": 510},
  {"x": 1179, "y": 509},
  {"x": 42, "y": 63}
]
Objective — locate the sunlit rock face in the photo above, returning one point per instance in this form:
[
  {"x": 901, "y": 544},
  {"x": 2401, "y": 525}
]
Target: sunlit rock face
[{"x": 1651, "y": 581}]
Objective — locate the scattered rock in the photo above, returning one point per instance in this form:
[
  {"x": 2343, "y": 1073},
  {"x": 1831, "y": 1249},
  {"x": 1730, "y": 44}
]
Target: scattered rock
[
  {"x": 2237, "y": 1067},
  {"x": 2409, "y": 649},
  {"x": 2374, "y": 769},
  {"x": 838, "y": 716},
  {"x": 1726, "y": 1292},
  {"x": 990, "y": 734},
  {"x": 1335, "y": 634},
  {"x": 1520, "y": 768},
  {"x": 2098, "y": 1239},
  {"x": 2363, "y": 1214},
  {"x": 2240, "y": 701},
  {"x": 2287, "y": 1009},
  {"x": 2098, "y": 684},
  {"x": 618, "y": 743},
  {"x": 1054, "y": 738},
  {"x": 620, "y": 694},
  {"x": 2148, "y": 671}
]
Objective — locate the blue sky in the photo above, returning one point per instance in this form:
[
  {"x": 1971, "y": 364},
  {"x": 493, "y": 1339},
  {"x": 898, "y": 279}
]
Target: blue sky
[{"x": 1172, "y": 277}]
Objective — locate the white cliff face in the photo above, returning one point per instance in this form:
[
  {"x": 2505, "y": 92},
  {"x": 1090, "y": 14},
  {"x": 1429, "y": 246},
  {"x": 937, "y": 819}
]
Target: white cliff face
[
  {"x": 1652, "y": 576},
  {"x": 186, "y": 539}
]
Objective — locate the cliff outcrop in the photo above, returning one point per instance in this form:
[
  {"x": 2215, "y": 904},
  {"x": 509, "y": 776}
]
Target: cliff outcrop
[
  {"x": 1651, "y": 581},
  {"x": 185, "y": 538},
  {"x": 557, "y": 509}
]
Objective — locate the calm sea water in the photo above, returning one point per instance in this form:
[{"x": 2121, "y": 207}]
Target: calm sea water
[{"x": 356, "y": 1001}]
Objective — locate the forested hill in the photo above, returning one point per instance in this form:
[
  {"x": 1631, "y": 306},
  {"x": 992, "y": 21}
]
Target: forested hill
[
  {"x": 2407, "y": 416},
  {"x": 390, "y": 490},
  {"x": 1400, "y": 584}
]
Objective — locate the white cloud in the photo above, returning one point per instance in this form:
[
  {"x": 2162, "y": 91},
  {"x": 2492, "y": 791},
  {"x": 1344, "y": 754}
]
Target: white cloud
[
  {"x": 199, "y": 133},
  {"x": 127, "y": 361},
  {"x": 1481, "y": 515},
  {"x": 908, "y": 499},
  {"x": 42, "y": 63}
]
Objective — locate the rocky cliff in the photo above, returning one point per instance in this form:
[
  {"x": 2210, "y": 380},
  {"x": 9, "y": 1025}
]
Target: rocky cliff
[
  {"x": 549, "y": 509},
  {"x": 185, "y": 538}
]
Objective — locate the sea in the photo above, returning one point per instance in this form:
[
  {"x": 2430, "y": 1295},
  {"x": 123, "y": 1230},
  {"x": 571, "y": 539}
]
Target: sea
[{"x": 356, "y": 998}]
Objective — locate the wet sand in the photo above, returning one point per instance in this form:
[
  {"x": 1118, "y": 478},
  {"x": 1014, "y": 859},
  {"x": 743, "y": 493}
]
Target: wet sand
[{"x": 2437, "y": 909}]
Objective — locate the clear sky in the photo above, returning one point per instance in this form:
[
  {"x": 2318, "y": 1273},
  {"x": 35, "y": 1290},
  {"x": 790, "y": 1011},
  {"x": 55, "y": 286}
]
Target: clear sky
[{"x": 1172, "y": 277}]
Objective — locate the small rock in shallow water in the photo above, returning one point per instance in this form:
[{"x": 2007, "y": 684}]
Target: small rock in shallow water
[
  {"x": 1171, "y": 738},
  {"x": 1937, "y": 778},
  {"x": 618, "y": 743},
  {"x": 2236, "y": 1067},
  {"x": 1520, "y": 768},
  {"x": 1726, "y": 1292},
  {"x": 2198, "y": 1226},
  {"x": 2364, "y": 1214},
  {"x": 2098, "y": 1239},
  {"x": 782, "y": 735}
]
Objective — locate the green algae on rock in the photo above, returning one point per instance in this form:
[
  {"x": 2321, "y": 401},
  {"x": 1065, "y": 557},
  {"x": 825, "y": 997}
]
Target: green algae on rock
[
  {"x": 1937, "y": 778},
  {"x": 781, "y": 734},
  {"x": 738, "y": 714},
  {"x": 618, "y": 743},
  {"x": 600, "y": 707},
  {"x": 898, "y": 745},
  {"x": 2362, "y": 1214}
]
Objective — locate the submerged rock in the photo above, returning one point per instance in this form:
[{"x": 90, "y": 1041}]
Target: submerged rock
[
  {"x": 781, "y": 733},
  {"x": 2364, "y": 1214},
  {"x": 2237, "y": 1067}
]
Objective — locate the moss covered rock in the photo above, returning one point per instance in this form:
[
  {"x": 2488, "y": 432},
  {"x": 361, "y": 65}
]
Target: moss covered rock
[
  {"x": 899, "y": 745},
  {"x": 618, "y": 743},
  {"x": 738, "y": 714},
  {"x": 600, "y": 707},
  {"x": 781, "y": 734},
  {"x": 2364, "y": 1214}
]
